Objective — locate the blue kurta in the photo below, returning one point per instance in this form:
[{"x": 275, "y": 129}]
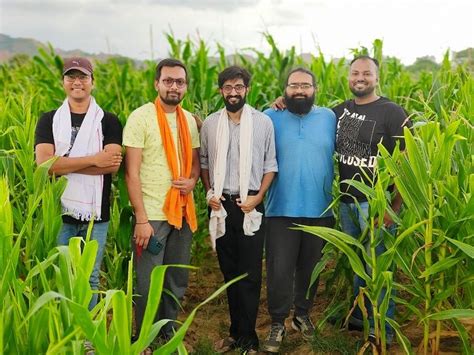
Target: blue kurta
[{"x": 304, "y": 150}]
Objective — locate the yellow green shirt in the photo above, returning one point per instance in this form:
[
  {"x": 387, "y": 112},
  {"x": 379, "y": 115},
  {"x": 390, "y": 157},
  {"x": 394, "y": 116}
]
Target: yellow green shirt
[{"x": 142, "y": 131}]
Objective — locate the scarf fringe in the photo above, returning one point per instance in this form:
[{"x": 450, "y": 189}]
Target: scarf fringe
[{"x": 80, "y": 214}]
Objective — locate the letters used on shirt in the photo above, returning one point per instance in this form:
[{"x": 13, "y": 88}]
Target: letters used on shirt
[{"x": 354, "y": 139}]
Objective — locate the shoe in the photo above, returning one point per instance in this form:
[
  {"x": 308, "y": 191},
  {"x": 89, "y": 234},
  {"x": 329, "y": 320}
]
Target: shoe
[
  {"x": 147, "y": 351},
  {"x": 275, "y": 337},
  {"x": 354, "y": 324},
  {"x": 224, "y": 345},
  {"x": 373, "y": 339},
  {"x": 304, "y": 325},
  {"x": 88, "y": 348}
]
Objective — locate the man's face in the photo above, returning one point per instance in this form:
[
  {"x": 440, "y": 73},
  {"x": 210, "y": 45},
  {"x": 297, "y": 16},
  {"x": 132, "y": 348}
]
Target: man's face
[
  {"x": 172, "y": 85},
  {"x": 300, "y": 93},
  {"x": 234, "y": 93},
  {"x": 363, "y": 77},
  {"x": 77, "y": 85}
]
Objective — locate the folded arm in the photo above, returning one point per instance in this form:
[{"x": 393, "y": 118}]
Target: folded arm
[{"x": 104, "y": 162}]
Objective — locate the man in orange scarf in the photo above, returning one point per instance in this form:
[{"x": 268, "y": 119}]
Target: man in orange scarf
[{"x": 162, "y": 168}]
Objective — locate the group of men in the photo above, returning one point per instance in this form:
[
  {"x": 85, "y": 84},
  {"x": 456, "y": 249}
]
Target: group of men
[{"x": 242, "y": 156}]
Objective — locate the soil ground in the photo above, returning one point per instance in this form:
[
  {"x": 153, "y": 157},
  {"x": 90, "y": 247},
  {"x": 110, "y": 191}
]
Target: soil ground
[{"x": 212, "y": 321}]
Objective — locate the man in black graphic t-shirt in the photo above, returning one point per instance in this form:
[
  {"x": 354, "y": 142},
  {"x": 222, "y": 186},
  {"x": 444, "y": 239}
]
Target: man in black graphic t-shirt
[
  {"x": 360, "y": 128},
  {"x": 364, "y": 122},
  {"x": 87, "y": 141}
]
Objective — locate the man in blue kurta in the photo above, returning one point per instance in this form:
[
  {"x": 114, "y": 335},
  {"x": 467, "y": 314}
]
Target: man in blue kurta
[{"x": 300, "y": 194}]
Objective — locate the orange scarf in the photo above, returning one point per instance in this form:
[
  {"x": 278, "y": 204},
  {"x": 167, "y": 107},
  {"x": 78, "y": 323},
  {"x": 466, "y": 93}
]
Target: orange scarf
[{"x": 175, "y": 203}]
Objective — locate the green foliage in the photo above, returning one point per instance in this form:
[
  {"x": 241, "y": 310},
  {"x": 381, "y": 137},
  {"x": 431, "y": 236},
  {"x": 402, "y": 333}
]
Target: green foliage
[
  {"x": 44, "y": 289},
  {"x": 336, "y": 343}
]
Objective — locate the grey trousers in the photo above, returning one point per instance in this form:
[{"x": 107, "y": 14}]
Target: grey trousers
[
  {"x": 291, "y": 256},
  {"x": 176, "y": 250}
]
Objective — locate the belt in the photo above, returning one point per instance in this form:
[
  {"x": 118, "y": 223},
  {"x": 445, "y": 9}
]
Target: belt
[{"x": 233, "y": 197}]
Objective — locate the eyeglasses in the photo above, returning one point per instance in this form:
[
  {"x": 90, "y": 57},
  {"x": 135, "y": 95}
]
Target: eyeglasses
[
  {"x": 239, "y": 88},
  {"x": 303, "y": 86},
  {"x": 83, "y": 78},
  {"x": 180, "y": 83}
]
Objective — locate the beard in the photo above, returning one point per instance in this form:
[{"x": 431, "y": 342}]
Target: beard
[
  {"x": 171, "y": 100},
  {"x": 234, "y": 107},
  {"x": 299, "y": 105},
  {"x": 361, "y": 93}
]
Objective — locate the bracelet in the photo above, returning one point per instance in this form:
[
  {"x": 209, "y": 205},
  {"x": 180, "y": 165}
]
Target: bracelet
[{"x": 142, "y": 222}]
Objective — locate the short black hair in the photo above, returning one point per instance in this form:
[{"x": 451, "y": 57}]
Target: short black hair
[
  {"x": 301, "y": 70},
  {"x": 233, "y": 72},
  {"x": 365, "y": 57},
  {"x": 170, "y": 62}
]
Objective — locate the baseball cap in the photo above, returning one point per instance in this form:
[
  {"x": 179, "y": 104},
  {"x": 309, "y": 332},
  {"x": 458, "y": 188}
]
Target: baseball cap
[{"x": 78, "y": 63}]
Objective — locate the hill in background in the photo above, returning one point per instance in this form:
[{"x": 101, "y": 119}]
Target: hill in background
[{"x": 11, "y": 47}]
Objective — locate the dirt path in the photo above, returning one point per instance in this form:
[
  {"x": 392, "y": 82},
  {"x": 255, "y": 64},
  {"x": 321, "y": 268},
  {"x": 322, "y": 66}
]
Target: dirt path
[{"x": 212, "y": 321}]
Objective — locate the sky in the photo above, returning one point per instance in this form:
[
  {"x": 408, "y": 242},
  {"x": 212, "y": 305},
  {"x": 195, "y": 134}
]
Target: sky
[{"x": 135, "y": 28}]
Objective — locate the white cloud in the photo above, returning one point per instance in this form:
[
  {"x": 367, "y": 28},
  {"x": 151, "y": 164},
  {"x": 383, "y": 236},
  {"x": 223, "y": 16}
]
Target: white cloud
[{"x": 409, "y": 29}]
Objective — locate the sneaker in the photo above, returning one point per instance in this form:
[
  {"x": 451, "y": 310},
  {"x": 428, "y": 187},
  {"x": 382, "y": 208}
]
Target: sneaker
[
  {"x": 224, "y": 345},
  {"x": 304, "y": 325},
  {"x": 354, "y": 324},
  {"x": 147, "y": 351},
  {"x": 275, "y": 337},
  {"x": 373, "y": 339},
  {"x": 88, "y": 348}
]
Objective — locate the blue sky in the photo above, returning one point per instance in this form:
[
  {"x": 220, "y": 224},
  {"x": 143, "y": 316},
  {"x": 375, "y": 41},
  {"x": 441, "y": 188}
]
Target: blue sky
[{"x": 410, "y": 29}]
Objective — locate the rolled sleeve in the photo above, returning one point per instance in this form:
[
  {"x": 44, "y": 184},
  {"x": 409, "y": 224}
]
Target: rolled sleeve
[
  {"x": 203, "y": 151},
  {"x": 270, "y": 162}
]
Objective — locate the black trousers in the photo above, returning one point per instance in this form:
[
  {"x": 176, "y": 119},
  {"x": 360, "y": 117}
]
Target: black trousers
[
  {"x": 291, "y": 256},
  {"x": 239, "y": 254}
]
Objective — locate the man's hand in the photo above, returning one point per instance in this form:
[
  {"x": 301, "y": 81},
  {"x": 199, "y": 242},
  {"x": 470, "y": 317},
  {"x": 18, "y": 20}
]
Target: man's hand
[
  {"x": 215, "y": 203},
  {"x": 279, "y": 103},
  {"x": 250, "y": 203},
  {"x": 185, "y": 186},
  {"x": 105, "y": 159},
  {"x": 387, "y": 221},
  {"x": 142, "y": 234}
]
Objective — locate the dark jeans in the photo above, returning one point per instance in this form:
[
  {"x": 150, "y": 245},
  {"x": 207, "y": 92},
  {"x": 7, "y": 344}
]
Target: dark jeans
[
  {"x": 99, "y": 233},
  {"x": 239, "y": 254},
  {"x": 176, "y": 250},
  {"x": 291, "y": 257},
  {"x": 354, "y": 222}
]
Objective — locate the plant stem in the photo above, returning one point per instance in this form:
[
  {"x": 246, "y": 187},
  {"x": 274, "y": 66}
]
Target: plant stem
[{"x": 428, "y": 262}]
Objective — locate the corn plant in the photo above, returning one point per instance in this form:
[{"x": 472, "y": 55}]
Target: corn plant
[
  {"x": 435, "y": 175},
  {"x": 375, "y": 270},
  {"x": 438, "y": 258}
]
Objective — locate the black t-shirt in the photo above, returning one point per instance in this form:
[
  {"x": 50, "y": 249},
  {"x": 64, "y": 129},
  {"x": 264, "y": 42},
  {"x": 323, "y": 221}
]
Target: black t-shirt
[
  {"x": 112, "y": 134},
  {"x": 359, "y": 129}
]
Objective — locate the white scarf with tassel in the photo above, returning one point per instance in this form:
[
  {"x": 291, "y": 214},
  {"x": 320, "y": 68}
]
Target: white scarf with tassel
[
  {"x": 253, "y": 219},
  {"x": 82, "y": 198}
]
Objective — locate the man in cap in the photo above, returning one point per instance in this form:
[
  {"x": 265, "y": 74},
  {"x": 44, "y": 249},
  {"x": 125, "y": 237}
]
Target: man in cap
[
  {"x": 86, "y": 142},
  {"x": 162, "y": 168},
  {"x": 238, "y": 164}
]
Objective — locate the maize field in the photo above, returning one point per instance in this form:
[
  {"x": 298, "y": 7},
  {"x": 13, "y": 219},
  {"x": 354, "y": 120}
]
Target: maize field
[{"x": 44, "y": 289}]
